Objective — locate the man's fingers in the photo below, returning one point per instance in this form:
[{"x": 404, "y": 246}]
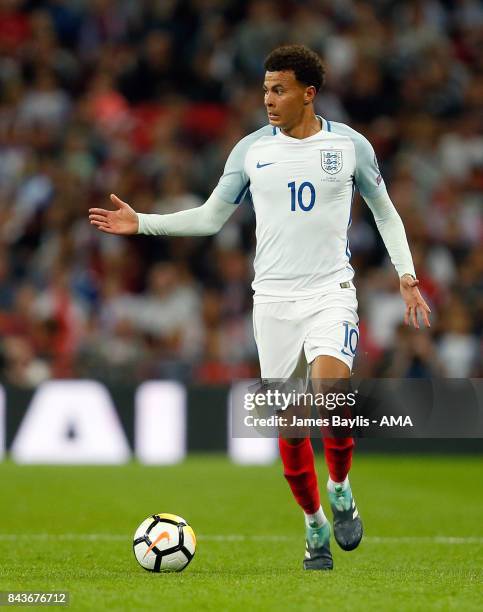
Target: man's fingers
[
  {"x": 425, "y": 317},
  {"x": 117, "y": 201},
  {"x": 99, "y": 218},
  {"x": 425, "y": 310},
  {"x": 415, "y": 317},
  {"x": 106, "y": 229},
  {"x": 98, "y": 211},
  {"x": 416, "y": 307},
  {"x": 413, "y": 312},
  {"x": 102, "y": 226}
]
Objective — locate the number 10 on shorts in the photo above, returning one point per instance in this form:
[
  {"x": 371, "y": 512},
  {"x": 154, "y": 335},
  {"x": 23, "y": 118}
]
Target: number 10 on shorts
[{"x": 351, "y": 338}]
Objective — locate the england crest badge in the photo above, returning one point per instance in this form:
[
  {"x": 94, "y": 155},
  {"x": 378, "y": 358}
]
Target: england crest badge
[{"x": 331, "y": 160}]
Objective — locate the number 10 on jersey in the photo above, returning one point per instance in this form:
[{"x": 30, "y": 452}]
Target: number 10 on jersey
[{"x": 304, "y": 196}]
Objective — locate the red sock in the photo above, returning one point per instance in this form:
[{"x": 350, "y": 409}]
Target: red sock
[
  {"x": 338, "y": 456},
  {"x": 299, "y": 470}
]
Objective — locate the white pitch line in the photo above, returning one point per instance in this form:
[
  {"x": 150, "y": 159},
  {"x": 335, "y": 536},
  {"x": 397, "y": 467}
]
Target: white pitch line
[
  {"x": 113, "y": 537},
  {"x": 424, "y": 539}
]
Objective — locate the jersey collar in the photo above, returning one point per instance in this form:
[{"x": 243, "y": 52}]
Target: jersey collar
[{"x": 323, "y": 121}]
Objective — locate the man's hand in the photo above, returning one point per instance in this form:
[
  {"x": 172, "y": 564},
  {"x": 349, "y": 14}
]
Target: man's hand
[
  {"x": 415, "y": 304},
  {"x": 124, "y": 220}
]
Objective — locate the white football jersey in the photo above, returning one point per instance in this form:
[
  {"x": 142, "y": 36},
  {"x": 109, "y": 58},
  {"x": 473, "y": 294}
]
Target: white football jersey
[{"x": 302, "y": 191}]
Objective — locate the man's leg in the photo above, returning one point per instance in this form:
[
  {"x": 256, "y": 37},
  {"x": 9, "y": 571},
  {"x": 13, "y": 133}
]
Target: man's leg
[
  {"x": 338, "y": 456},
  {"x": 338, "y": 451},
  {"x": 299, "y": 470},
  {"x": 280, "y": 338}
]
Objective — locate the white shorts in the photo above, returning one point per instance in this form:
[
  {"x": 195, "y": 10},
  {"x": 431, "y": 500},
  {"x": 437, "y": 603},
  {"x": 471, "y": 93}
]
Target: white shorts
[{"x": 290, "y": 335}]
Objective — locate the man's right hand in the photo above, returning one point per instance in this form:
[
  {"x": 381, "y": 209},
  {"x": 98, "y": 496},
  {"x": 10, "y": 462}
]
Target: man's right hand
[{"x": 124, "y": 220}]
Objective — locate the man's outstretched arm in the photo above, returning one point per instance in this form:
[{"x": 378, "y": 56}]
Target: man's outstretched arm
[{"x": 203, "y": 220}]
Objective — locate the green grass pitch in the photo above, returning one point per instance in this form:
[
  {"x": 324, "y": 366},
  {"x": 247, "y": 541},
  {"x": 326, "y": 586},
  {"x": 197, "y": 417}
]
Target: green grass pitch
[{"x": 70, "y": 528}]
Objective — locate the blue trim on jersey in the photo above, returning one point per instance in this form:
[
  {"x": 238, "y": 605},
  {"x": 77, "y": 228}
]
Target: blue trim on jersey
[
  {"x": 274, "y": 130},
  {"x": 329, "y": 129},
  {"x": 347, "y": 250},
  {"x": 240, "y": 196},
  {"x": 250, "y": 199}
]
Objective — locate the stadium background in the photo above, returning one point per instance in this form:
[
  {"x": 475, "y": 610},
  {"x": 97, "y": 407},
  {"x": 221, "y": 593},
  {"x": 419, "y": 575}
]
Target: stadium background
[{"x": 145, "y": 99}]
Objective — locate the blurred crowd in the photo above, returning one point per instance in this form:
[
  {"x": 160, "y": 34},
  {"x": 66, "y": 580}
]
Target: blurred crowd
[{"x": 146, "y": 98}]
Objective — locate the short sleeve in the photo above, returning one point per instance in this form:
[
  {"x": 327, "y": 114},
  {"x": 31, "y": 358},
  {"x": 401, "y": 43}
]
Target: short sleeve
[
  {"x": 234, "y": 183},
  {"x": 367, "y": 175}
]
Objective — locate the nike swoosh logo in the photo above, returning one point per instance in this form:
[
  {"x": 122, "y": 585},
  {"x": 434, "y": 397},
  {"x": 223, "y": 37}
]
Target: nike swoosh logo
[
  {"x": 259, "y": 165},
  {"x": 160, "y": 537}
]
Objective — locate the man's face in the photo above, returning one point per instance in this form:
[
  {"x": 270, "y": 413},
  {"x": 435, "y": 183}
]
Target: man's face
[{"x": 285, "y": 98}]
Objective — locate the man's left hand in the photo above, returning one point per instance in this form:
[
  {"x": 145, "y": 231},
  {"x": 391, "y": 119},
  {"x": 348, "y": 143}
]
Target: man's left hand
[{"x": 415, "y": 304}]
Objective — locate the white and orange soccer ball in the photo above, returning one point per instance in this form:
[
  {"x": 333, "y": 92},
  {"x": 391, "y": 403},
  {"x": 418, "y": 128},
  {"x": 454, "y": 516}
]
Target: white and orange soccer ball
[{"x": 164, "y": 543}]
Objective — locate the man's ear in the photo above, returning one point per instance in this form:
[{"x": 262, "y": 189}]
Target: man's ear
[{"x": 309, "y": 95}]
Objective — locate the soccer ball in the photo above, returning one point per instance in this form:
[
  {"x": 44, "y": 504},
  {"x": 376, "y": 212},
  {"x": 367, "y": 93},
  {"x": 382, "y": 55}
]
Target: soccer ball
[{"x": 164, "y": 543}]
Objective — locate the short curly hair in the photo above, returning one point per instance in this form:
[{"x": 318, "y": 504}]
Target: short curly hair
[{"x": 305, "y": 63}]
